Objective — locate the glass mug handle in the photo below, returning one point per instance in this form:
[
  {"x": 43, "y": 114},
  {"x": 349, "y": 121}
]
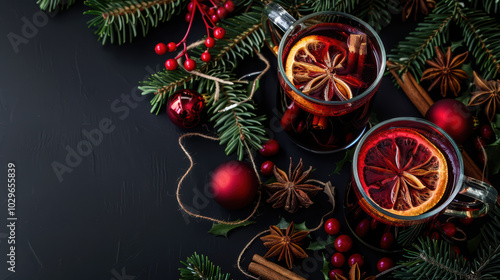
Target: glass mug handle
[
  {"x": 279, "y": 16},
  {"x": 483, "y": 193}
]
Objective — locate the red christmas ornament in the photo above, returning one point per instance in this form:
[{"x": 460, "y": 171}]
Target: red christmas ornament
[
  {"x": 453, "y": 117},
  {"x": 185, "y": 107},
  {"x": 234, "y": 185}
]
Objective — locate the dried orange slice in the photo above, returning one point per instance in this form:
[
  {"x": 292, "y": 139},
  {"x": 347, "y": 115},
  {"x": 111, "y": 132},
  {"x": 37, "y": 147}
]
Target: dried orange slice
[
  {"x": 402, "y": 172},
  {"x": 316, "y": 65}
]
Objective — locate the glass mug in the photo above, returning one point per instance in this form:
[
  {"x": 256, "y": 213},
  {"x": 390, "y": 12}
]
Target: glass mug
[
  {"x": 319, "y": 121},
  {"x": 462, "y": 197}
]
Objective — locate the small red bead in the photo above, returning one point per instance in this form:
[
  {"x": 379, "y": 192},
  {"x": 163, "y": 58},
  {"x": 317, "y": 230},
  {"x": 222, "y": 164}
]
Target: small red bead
[
  {"x": 332, "y": 226},
  {"x": 384, "y": 264},
  {"x": 267, "y": 168},
  {"x": 190, "y": 64},
  {"x": 270, "y": 148},
  {"x": 363, "y": 228},
  {"x": 214, "y": 18},
  {"x": 171, "y": 64},
  {"x": 338, "y": 260},
  {"x": 219, "y": 33},
  {"x": 356, "y": 258},
  {"x": 229, "y": 5},
  {"x": 210, "y": 42},
  {"x": 449, "y": 229},
  {"x": 160, "y": 48},
  {"x": 333, "y": 272},
  {"x": 221, "y": 12},
  {"x": 343, "y": 243},
  {"x": 386, "y": 241},
  {"x": 172, "y": 47}
]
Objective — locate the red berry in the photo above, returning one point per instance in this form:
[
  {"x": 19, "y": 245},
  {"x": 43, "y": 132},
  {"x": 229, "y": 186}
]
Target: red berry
[
  {"x": 160, "y": 48},
  {"x": 229, "y": 5},
  {"x": 363, "y": 227},
  {"x": 384, "y": 264},
  {"x": 171, "y": 64},
  {"x": 343, "y": 243},
  {"x": 189, "y": 64},
  {"x": 190, "y": 6},
  {"x": 338, "y": 260},
  {"x": 456, "y": 250},
  {"x": 356, "y": 258},
  {"x": 479, "y": 143},
  {"x": 171, "y": 47},
  {"x": 219, "y": 33},
  {"x": 267, "y": 168},
  {"x": 270, "y": 148},
  {"x": 386, "y": 241},
  {"x": 205, "y": 56},
  {"x": 221, "y": 12},
  {"x": 374, "y": 224},
  {"x": 210, "y": 42},
  {"x": 214, "y": 18},
  {"x": 434, "y": 235},
  {"x": 212, "y": 11},
  {"x": 449, "y": 229},
  {"x": 334, "y": 272},
  {"x": 466, "y": 221},
  {"x": 332, "y": 226},
  {"x": 487, "y": 133},
  {"x": 187, "y": 17}
]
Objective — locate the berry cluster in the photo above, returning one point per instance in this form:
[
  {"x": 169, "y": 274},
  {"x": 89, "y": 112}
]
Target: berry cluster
[
  {"x": 269, "y": 149},
  {"x": 210, "y": 15}
]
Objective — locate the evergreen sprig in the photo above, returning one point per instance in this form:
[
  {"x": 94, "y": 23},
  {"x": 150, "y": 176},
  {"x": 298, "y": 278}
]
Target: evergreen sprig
[
  {"x": 490, "y": 6},
  {"x": 199, "y": 267},
  {"x": 52, "y": 5},
  {"x": 244, "y": 36},
  {"x": 122, "y": 21},
  {"x": 487, "y": 261},
  {"x": 345, "y": 6},
  {"x": 377, "y": 13}
]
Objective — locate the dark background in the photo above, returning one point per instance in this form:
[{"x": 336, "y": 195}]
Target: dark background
[{"x": 115, "y": 215}]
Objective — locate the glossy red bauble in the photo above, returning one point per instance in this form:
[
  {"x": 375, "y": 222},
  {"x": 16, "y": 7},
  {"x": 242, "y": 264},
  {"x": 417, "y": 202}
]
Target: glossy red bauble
[
  {"x": 234, "y": 185},
  {"x": 333, "y": 272},
  {"x": 161, "y": 49},
  {"x": 209, "y": 42},
  {"x": 343, "y": 243},
  {"x": 338, "y": 260},
  {"x": 185, "y": 108},
  {"x": 205, "y": 56},
  {"x": 229, "y": 5},
  {"x": 219, "y": 33},
  {"x": 270, "y": 148},
  {"x": 384, "y": 264},
  {"x": 387, "y": 241},
  {"x": 190, "y": 64},
  {"x": 356, "y": 258},
  {"x": 363, "y": 227},
  {"x": 453, "y": 117},
  {"x": 171, "y": 64},
  {"x": 266, "y": 168},
  {"x": 332, "y": 226}
]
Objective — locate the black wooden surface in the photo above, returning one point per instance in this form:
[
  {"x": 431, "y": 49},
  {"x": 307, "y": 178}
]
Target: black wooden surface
[{"x": 112, "y": 213}]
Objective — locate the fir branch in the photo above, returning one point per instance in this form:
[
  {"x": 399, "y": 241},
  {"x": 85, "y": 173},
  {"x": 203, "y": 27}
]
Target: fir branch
[
  {"x": 52, "y": 5},
  {"x": 199, "y": 267},
  {"x": 244, "y": 35},
  {"x": 377, "y": 13},
  {"x": 487, "y": 262},
  {"x": 412, "y": 53},
  {"x": 490, "y": 6},
  {"x": 481, "y": 36},
  {"x": 239, "y": 128},
  {"x": 345, "y": 6},
  {"x": 122, "y": 21}
]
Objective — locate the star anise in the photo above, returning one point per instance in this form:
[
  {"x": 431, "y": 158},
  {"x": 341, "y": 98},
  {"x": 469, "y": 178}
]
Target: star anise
[
  {"x": 487, "y": 95},
  {"x": 354, "y": 274},
  {"x": 446, "y": 71},
  {"x": 417, "y": 7},
  {"x": 285, "y": 245},
  {"x": 293, "y": 190}
]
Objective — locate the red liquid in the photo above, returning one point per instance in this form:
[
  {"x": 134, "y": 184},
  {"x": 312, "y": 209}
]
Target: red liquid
[{"x": 321, "y": 126}]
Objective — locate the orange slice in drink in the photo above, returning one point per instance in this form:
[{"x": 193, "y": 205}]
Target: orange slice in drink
[
  {"x": 402, "y": 172},
  {"x": 316, "y": 65}
]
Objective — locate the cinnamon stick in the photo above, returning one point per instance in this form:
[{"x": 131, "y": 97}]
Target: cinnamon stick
[
  {"x": 265, "y": 272},
  {"x": 421, "y": 99},
  {"x": 281, "y": 270}
]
